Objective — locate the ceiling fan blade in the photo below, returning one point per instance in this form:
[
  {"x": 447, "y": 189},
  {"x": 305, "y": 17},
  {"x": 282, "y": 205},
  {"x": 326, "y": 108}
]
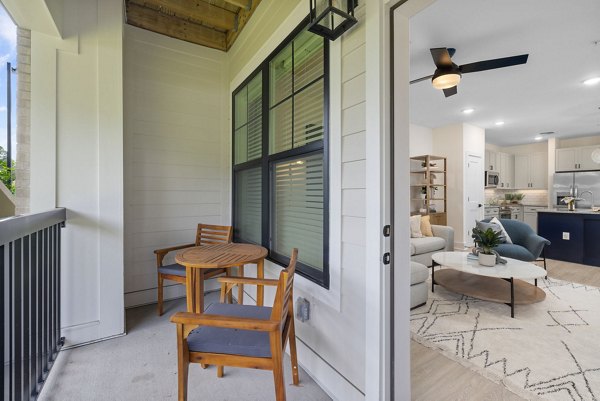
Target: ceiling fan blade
[
  {"x": 450, "y": 91},
  {"x": 441, "y": 57},
  {"x": 414, "y": 81},
  {"x": 493, "y": 64}
]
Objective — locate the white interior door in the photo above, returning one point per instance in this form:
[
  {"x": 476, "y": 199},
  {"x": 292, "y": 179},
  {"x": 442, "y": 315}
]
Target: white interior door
[{"x": 474, "y": 194}]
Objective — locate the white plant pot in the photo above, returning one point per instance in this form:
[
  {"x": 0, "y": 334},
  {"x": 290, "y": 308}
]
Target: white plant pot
[
  {"x": 422, "y": 196},
  {"x": 487, "y": 260}
]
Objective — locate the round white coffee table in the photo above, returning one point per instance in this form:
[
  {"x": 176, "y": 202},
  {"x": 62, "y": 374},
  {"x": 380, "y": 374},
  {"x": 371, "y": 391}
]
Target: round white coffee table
[{"x": 502, "y": 283}]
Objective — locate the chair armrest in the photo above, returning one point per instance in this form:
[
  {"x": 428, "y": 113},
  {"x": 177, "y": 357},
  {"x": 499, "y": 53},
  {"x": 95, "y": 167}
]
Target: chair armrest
[
  {"x": 161, "y": 253},
  {"x": 445, "y": 232},
  {"x": 227, "y": 322},
  {"x": 248, "y": 280},
  {"x": 535, "y": 244}
]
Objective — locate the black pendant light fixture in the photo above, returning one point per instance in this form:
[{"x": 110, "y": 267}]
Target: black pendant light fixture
[{"x": 329, "y": 19}]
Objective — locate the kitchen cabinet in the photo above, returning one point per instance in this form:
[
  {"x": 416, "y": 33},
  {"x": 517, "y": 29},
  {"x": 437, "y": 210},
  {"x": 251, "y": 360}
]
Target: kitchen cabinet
[
  {"x": 576, "y": 159},
  {"x": 506, "y": 170},
  {"x": 573, "y": 236},
  {"x": 530, "y": 215},
  {"x": 490, "y": 161},
  {"x": 531, "y": 171}
]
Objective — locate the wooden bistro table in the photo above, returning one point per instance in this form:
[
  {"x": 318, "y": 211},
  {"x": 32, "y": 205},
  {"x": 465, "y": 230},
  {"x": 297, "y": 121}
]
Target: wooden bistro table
[{"x": 217, "y": 257}]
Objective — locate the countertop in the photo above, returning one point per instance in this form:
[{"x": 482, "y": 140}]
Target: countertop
[{"x": 566, "y": 211}]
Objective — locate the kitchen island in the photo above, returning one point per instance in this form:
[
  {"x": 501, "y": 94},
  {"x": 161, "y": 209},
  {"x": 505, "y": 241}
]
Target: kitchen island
[{"x": 575, "y": 235}]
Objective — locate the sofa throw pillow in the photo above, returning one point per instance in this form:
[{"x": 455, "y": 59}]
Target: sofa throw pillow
[
  {"x": 496, "y": 221},
  {"x": 482, "y": 225},
  {"x": 426, "y": 226},
  {"x": 415, "y": 226}
]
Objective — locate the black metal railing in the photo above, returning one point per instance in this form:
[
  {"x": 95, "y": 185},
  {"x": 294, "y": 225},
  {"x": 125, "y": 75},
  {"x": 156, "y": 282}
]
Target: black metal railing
[{"x": 30, "y": 294}]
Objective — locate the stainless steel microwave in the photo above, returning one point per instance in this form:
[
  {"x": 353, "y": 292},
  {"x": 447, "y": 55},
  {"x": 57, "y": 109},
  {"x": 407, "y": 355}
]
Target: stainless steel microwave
[{"x": 491, "y": 179}]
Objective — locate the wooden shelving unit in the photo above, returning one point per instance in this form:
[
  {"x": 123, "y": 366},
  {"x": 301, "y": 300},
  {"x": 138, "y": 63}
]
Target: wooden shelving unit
[{"x": 428, "y": 174}]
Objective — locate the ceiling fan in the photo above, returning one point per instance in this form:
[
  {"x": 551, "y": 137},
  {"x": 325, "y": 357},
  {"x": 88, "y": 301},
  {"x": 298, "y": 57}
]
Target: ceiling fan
[{"x": 447, "y": 74}]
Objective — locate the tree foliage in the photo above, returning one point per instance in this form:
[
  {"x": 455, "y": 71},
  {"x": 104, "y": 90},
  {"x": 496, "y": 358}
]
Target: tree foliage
[{"x": 7, "y": 175}]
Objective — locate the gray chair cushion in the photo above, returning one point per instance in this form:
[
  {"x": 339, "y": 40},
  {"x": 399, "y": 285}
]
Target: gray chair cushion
[
  {"x": 418, "y": 273},
  {"x": 232, "y": 341},
  {"x": 174, "y": 269},
  {"x": 482, "y": 225},
  {"x": 515, "y": 251},
  {"x": 419, "y": 246}
]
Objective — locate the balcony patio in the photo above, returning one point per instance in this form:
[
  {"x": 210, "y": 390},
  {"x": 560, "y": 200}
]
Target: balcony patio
[{"x": 142, "y": 365}]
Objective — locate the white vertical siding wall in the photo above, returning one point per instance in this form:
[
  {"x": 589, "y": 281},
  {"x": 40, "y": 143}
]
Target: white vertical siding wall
[
  {"x": 176, "y": 151},
  {"x": 77, "y": 159}
]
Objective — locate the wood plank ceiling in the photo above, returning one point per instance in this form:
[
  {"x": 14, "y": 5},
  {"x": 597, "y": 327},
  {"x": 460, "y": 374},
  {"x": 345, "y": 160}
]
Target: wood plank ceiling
[{"x": 210, "y": 23}]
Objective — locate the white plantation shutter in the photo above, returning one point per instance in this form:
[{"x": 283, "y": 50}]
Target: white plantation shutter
[{"x": 298, "y": 208}]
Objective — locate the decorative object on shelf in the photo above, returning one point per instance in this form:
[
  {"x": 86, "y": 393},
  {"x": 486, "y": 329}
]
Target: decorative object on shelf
[
  {"x": 423, "y": 192},
  {"x": 328, "y": 19},
  {"x": 485, "y": 242}
]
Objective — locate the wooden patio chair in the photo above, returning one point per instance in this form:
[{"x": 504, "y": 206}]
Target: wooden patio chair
[
  {"x": 244, "y": 336},
  {"x": 205, "y": 235}
]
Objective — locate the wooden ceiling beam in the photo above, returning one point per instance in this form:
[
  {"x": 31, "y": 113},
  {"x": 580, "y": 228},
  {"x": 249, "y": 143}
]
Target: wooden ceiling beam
[
  {"x": 152, "y": 20},
  {"x": 243, "y": 17},
  {"x": 198, "y": 10},
  {"x": 243, "y": 4}
]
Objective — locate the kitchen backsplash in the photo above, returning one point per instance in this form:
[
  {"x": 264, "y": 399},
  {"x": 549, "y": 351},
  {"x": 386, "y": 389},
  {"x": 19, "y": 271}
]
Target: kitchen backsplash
[{"x": 533, "y": 197}]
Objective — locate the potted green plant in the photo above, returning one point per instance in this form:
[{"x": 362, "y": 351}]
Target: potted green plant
[
  {"x": 485, "y": 242},
  {"x": 423, "y": 192},
  {"x": 518, "y": 197}
]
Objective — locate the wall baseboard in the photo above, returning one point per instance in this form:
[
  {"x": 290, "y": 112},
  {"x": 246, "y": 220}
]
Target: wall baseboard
[{"x": 329, "y": 379}]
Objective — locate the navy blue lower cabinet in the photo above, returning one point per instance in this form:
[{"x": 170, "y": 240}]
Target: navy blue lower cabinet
[{"x": 575, "y": 237}]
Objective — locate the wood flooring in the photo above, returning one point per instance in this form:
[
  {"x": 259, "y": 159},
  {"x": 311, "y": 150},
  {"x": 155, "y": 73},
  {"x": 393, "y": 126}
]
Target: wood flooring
[{"x": 437, "y": 378}]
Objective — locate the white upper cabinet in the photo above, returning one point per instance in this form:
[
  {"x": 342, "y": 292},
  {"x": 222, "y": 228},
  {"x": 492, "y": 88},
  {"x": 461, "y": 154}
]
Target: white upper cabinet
[
  {"x": 576, "y": 159},
  {"x": 490, "y": 161},
  {"x": 531, "y": 171},
  {"x": 538, "y": 170},
  {"x": 506, "y": 170}
]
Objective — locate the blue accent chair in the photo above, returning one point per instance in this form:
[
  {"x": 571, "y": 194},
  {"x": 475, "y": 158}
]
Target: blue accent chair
[{"x": 527, "y": 245}]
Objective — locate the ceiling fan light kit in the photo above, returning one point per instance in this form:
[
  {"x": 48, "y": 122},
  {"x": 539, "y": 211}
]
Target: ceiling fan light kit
[
  {"x": 447, "y": 74},
  {"x": 445, "y": 79}
]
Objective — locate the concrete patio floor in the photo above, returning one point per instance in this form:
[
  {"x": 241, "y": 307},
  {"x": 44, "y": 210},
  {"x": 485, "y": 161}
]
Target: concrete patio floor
[{"x": 143, "y": 366}]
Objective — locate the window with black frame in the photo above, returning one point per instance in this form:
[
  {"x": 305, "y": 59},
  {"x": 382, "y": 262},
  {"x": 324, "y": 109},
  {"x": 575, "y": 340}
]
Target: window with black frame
[{"x": 280, "y": 197}]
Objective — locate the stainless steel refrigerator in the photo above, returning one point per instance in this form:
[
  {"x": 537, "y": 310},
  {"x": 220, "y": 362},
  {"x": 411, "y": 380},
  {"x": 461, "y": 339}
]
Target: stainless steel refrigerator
[{"x": 576, "y": 184}]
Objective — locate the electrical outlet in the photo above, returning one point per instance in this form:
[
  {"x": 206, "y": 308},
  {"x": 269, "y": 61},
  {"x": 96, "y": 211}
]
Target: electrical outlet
[
  {"x": 302, "y": 309},
  {"x": 566, "y": 236}
]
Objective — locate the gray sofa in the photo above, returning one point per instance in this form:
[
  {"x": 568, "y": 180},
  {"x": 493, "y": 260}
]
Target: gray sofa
[
  {"x": 418, "y": 287},
  {"x": 421, "y": 249}
]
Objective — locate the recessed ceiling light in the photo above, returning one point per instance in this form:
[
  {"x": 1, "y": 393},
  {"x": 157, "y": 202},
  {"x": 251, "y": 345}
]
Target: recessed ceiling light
[
  {"x": 468, "y": 111},
  {"x": 499, "y": 123},
  {"x": 592, "y": 81},
  {"x": 538, "y": 138}
]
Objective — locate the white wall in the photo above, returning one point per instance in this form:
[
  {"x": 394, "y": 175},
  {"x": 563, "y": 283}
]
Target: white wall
[
  {"x": 448, "y": 142},
  {"x": 176, "y": 152},
  {"x": 77, "y": 159},
  {"x": 420, "y": 140},
  {"x": 454, "y": 142}
]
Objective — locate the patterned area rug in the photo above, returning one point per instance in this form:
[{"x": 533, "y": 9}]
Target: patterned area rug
[{"x": 550, "y": 350}]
